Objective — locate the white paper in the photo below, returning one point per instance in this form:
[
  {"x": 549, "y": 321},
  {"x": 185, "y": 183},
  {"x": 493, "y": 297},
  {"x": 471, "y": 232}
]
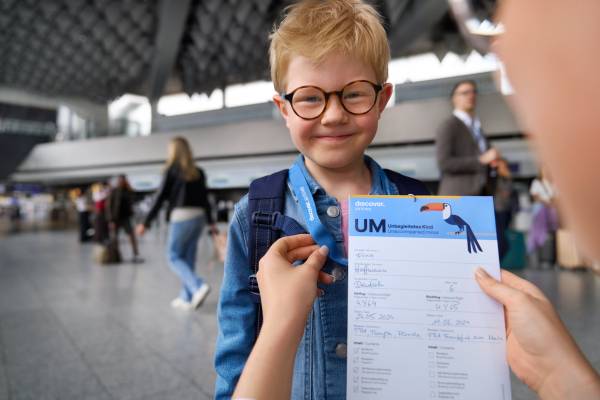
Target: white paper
[{"x": 419, "y": 326}]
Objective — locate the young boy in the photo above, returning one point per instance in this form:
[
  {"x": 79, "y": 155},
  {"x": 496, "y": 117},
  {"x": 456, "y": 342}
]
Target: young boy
[{"x": 329, "y": 65}]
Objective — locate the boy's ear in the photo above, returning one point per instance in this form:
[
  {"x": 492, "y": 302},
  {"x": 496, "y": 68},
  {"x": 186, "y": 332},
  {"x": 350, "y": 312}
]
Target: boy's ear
[
  {"x": 280, "y": 103},
  {"x": 385, "y": 95}
]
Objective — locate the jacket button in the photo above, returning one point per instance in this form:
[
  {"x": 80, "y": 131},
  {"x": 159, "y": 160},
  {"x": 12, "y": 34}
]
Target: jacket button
[
  {"x": 341, "y": 350},
  {"x": 338, "y": 273},
  {"x": 333, "y": 211}
]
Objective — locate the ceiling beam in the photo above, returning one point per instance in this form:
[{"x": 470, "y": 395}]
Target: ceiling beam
[
  {"x": 416, "y": 21},
  {"x": 172, "y": 20}
]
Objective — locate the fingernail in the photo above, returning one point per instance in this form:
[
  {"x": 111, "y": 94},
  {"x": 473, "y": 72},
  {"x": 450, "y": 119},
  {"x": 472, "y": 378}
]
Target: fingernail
[
  {"x": 324, "y": 250},
  {"x": 333, "y": 279},
  {"x": 321, "y": 293},
  {"x": 481, "y": 273}
]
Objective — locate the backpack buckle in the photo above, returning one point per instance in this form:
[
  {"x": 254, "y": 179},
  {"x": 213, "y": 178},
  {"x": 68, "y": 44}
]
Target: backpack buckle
[
  {"x": 253, "y": 288},
  {"x": 264, "y": 218}
]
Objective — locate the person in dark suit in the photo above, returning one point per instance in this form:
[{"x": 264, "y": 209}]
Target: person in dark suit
[{"x": 465, "y": 158}]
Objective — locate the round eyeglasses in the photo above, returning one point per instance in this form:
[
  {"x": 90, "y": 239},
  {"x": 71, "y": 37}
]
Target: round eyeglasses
[{"x": 358, "y": 97}]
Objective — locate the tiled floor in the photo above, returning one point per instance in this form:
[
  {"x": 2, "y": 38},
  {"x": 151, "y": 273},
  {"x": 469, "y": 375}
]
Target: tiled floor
[{"x": 71, "y": 329}]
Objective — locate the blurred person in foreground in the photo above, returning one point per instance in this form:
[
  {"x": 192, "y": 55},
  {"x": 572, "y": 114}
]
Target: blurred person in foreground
[
  {"x": 119, "y": 210},
  {"x": 550, "y": 51},
  {"x": 184, "y": 189},
  {"x": 545, "y": 41}
]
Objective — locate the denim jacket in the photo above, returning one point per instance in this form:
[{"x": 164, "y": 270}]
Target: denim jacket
[{"x": 320, "y": 366}]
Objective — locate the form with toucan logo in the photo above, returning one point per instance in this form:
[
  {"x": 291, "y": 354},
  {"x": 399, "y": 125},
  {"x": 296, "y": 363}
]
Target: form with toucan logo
[{"x": 419, "y": 326}]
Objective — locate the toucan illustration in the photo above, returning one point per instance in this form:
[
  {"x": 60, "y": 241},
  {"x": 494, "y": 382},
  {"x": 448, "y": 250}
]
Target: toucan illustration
[{"x": 453, "y": 219}]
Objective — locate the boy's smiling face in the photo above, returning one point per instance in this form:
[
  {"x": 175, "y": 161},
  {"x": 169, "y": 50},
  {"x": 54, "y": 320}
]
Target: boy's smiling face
[{"x": 336, "y": 139}]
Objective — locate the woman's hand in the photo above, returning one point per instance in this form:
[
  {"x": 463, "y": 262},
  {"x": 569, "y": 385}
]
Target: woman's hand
[
  {"x": 540, "y": 350},
  {"x": 288, "y": 292},
  {"x": 140, "y": 229},
  {"x": 213, "y": 230}
]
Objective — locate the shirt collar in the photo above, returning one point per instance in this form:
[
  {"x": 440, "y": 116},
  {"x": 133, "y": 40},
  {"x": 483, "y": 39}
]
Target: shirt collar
[
  {"x": 379, "y": 182},
  {"x": 466, "y": 119}
]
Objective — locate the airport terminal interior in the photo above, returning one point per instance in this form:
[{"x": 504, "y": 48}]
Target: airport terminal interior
[{"x": 92, "y": 95}]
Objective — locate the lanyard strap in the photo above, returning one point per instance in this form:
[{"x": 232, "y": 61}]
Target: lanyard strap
[{"x": 318, "y": 232}]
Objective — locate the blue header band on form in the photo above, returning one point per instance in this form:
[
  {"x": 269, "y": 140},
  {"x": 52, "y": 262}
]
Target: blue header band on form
[{"x": 422, "y": 217}]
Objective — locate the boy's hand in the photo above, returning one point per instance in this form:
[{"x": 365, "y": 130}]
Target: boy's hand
[
  {"x": 287, "y": 292},
  {"x": 539, "y": 349}
]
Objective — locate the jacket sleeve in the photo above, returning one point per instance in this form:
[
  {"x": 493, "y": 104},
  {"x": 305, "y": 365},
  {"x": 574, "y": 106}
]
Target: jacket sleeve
[
  {"x": 236, "y": 311},
  {"x": 448, "y": 161},
  {"x": 163, "y": 193}
]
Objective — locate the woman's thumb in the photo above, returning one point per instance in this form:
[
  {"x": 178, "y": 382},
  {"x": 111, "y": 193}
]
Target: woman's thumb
[
  {"x": 317, "y": 259},
  {"x": 494, "y": 288}
]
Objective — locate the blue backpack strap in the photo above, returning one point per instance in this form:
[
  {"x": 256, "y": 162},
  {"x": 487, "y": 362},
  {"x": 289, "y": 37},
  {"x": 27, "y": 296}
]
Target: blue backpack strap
[
  {"x": 266, "y": 200},
  {"x": 407, "y": 185}
]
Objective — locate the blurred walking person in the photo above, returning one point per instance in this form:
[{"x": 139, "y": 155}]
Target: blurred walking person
[
  {"x": 99, "y": 196},
  {"x": 184, "y": 189},
  {"x": 119, "y": 210},
  {"x": 542, "y": 236},
  {"x": 505, "y": 203},
  {"x": 82, "y": 204}
]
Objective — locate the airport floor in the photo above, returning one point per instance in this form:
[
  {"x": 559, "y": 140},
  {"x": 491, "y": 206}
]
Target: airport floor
[{"x": 72, "y": 329}]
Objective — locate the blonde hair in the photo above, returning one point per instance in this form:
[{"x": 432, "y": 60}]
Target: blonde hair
[
  {"x": 180, "y": 155},
  {"x": 315, "y": 29}
]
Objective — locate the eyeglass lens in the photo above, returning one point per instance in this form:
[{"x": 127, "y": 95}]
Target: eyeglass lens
[{"x": 357, "y": 98}]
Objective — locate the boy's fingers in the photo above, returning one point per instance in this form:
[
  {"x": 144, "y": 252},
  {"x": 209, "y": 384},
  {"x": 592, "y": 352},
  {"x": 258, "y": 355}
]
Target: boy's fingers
[
  {"x": 301, "y": 253},
  {"x": 495, "y": 289},
  {"x": 317, "y": 259}
]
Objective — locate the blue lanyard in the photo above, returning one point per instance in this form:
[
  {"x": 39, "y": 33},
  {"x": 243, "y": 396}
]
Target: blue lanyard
[{"x": 318, "y": 232}]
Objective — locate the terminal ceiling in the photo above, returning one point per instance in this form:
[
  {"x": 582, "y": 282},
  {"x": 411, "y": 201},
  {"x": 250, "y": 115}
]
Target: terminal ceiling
[{"x": 100, "y": 49}]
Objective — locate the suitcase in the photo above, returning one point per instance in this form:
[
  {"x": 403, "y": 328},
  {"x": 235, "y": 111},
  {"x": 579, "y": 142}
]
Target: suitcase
[{"x": 108, "y": 253}]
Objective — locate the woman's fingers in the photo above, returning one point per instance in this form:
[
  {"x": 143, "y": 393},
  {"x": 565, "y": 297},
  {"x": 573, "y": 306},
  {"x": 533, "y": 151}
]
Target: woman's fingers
[
  {"x": 496, "y": 289},
  {"x": 301, "y": 253},
  {"x": 317, "y": 259},
  {"x": 288, "y": 243},
  {"x": 324, "y": 277}
]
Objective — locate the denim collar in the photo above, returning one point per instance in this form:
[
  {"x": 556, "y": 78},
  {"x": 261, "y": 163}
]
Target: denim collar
[{"x": 380, "y": 184}]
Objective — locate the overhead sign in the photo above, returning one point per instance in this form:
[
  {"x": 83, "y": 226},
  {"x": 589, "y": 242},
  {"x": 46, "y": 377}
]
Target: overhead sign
[{"x": 26, "y": 120}]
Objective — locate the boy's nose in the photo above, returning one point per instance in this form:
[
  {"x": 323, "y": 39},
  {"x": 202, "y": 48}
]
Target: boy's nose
[{"x": 334, "y": 112}]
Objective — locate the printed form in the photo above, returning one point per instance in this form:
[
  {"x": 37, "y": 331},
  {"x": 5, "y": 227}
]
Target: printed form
[{"x": 419, "y": 326}]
